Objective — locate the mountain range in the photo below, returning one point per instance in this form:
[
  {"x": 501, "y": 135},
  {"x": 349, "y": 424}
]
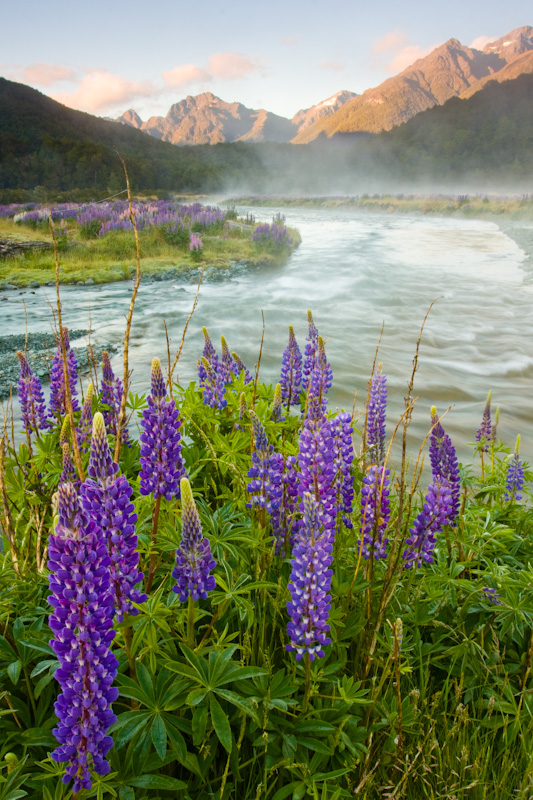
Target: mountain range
[{"x": 451, "y": 70}]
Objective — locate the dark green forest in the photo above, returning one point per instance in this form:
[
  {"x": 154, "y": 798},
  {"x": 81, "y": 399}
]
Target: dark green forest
[{"x": 49, "y": 152}]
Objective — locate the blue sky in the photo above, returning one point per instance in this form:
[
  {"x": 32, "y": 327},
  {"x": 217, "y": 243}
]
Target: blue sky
[{"x": 106, "y": 57}]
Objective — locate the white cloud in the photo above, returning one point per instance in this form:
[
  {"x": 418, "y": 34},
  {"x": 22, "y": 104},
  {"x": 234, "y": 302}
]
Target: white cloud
[
  {"x": 46, "y": 74},
  {"x": 394, "y": 52},
  {"x": 481, "y": 42},
  {"x": 99, "y": 91},
  {"x": 186, "y": 75},
  {"x": 230, "y": 66}
]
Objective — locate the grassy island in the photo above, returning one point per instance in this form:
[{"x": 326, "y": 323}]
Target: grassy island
[{"x": 97, "y": 246}]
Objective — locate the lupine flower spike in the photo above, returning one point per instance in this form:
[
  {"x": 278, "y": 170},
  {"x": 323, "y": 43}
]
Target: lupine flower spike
[
  {"x": 375, "y": 512},
  {"x": 106, "y": 498},
  {"x": 227, "y": 362},
  {"x": 316, "y": 465},
  {"x": 291, "y": 372},
  {"x": 58, "y": 397},
  {"x": 375, "y": 424},
  {"x": 266, "y": 471},
  {"x": 309, "y": 586},
  {"x": 194, "y": 562},
  {"x": 210, "y": 354},
  {"x": 85, "y": 424},
  {"x": 161, "y": 460},
  {"x": 31, "y": 398},
  {"x": 429, "y": 523},
  {"x": 275, "y": 413},
  {"x": 213, "y": 385},
  {"x": 241, "y": 367},
  {"x": 515, "y": 476},
  {"x": 111, "y": 397},
  {"x": 444, "y": 462},
  {"x": 321, "y": 377},
  {"x": 81, "y": 623},
  {"x": 484, "y": 434},
  {"x": 311, "y": 348}
]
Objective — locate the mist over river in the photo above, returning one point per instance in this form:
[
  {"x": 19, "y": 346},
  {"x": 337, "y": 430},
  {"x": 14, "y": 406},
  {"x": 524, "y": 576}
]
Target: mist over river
[{"x": 356, "y": 271}]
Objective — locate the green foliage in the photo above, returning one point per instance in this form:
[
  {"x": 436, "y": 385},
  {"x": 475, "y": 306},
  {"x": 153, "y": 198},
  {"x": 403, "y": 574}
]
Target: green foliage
[{"x": 228, "y": 712}]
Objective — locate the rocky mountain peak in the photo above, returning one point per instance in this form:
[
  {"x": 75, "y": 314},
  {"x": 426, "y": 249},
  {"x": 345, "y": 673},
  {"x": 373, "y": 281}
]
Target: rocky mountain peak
[{"x": 513, "y": 44}]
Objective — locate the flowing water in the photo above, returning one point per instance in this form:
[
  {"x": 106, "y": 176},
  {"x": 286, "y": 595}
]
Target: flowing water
[{"x": 357, "y": 272}]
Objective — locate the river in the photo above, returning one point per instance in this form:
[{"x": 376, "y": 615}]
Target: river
[{"x": 357, "y": 271}]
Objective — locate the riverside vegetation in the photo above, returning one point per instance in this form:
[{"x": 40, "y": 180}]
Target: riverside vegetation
[
  {"x": 96, "y": 242},
  {"x": 229, "y": 590}
]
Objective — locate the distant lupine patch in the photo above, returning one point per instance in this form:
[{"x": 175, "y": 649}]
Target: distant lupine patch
[
  {"x": 428, "y": 524},
  {"x": 291, "y": 371},
  {"x": 444, "y": 463},
  {"x": 81, "y": 624},
  {"x": 275, "y": 234},
  {"x": 194, "y": 562},
  {"x": 375, "y": 512},
  {"x": 514, "y": 482},
  {"x": 161, "y": 459},
  {"x": 58, "y": 397},
  {"x": 309, "y": 586},
  {"x": 31, "y": 398},
  {"x": 106, "y": 498}
]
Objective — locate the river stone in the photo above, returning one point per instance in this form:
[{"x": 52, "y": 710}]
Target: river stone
[
  {"x": 89, "y": 282},
  {"x": 34, "y": 285}
]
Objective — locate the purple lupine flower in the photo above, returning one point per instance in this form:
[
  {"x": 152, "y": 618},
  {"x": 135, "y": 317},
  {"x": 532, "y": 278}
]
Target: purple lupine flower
[
  {"x": 161, "y": 460},
  {"x": 343, "y": 455},
  {"x": 275, "y": 413},
  {"x": 514, "y": 482},
  {"x": 111, "y": 397},
  {"x": 375, "y": 512},
  {"x": 194, "y": 561},
  {"x": 492, "y": 596},
  {"x": 484, "y": 434},
  {"x": 321, "y": 376},
  {"x": 309, "y": 586},
  {"x": 69, "y": 474},
  {"x": 266, "y": 471},
  {"x": 106, "y": 498},
  {"x": 311, "y": 348},
  {"x": 195, "y": 243},
  {"x": 291, "y": 371},
  {"x": 214, "y": 384},
  {"x": 85, "y": 424},
  {"x": 58, "y": 397},
  {"x": 375, "y": 424},
  {"x": 210, "y": 354},
  {"x": 444, "y": 462},
  {"x": 428, "y": 524},
  {"x": 316, "y": 469},
  {"x": 241, "y": 367},
  {"x": 31, "y": 398},
  {"x": 227, "y": 362},
  {"x": 81, "y": 623}
]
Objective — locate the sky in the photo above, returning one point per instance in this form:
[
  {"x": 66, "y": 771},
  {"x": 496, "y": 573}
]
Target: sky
[{"x": 105, "y": 57}]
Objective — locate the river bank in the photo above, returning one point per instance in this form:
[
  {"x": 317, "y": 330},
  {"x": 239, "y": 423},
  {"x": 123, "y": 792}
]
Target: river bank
[{"x": 40, "y": 349}]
